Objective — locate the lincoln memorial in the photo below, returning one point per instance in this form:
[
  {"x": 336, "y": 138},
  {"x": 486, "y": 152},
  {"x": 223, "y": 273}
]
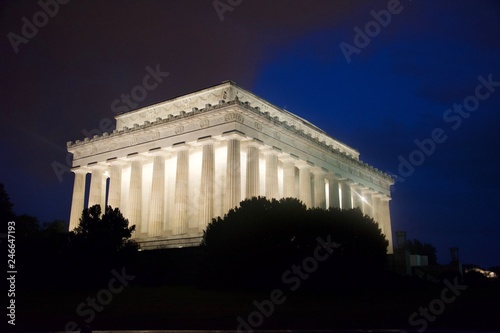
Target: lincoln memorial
[{"x": 173, "y": 166}]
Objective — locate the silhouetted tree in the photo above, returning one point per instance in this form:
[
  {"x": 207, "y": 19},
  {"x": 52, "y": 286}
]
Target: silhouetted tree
[
  {"x": 6, "y": 212},
  {"x": 254, "y": 244},
  {"x": 55, "y": 226},
  {"x": 43, "y": 252},
  {"x": 100, "y": 243},
  {"x": 108, "y": 233},
  {"x": 54, "y": 237},
  {"x": 27, "y": 227},
  {"x": 424, "y": 249}
]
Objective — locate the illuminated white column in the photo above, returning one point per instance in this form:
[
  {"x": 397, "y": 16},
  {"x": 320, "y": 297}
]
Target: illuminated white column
[
  {"x": 368, "y": 204},
  {"x": 78, "y": 200},
  {"x": 289, "y": 177},
  {"x": 272, "y": 191},
  {"x": 134, "y": 210},
  {"x": 376, "y": 207},
  {"x": 97, "y": 188},
  {"x": 345, "y": 189},
  {"x": 181, "y": 198},
  {"x": 233, "y": 174},
  {"x": 356, "y": 196},
  {"x": 333, "y": 190},
  {"x": 115, "y": 184},
  {"x": 206, "y": 210},
  {"x": 253, "y": 170},
  {"x": 384, "y": 217},
  {"x": 157, "y": 200},
  {"x": 319, "y": 189},
  {"x": 305, "y": 183}
]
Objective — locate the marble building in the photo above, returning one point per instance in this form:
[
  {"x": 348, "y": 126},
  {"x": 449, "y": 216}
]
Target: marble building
[{"x": 173, "y": 166}]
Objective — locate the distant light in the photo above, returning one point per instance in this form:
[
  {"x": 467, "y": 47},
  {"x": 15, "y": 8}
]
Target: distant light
[{"x": 487, "y": 274}]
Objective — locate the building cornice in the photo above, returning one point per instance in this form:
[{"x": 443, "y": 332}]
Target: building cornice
[
  {"x": 229, "y": 92},
  {"x": 234, "y": 111}
]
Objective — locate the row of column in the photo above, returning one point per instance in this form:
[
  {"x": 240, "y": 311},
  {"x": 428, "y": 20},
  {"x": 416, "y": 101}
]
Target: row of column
[{"x": 316, "y": 187}]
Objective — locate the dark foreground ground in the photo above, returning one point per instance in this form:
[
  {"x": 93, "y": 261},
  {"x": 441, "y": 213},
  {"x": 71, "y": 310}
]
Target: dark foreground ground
[{"x": 162, "y": 308}]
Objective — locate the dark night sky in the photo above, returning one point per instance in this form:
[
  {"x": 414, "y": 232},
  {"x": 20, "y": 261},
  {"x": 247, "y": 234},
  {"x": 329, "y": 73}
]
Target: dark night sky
[{"x": 396, "y": 90}]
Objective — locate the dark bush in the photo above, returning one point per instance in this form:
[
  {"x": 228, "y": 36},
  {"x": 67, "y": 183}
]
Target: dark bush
[{"x": 253, "y": 245}]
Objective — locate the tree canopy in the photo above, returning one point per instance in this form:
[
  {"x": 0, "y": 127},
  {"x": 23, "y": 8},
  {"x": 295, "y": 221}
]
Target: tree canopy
[
  {"x": 107, "y": 233},
  {"x": 255, "y": 243},
  {"x": 6, "y": 211},
  {"x": 100, "y": 243}
]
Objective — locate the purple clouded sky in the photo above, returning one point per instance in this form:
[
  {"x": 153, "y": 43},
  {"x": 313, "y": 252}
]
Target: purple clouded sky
[{"x": 395, "y": 90}]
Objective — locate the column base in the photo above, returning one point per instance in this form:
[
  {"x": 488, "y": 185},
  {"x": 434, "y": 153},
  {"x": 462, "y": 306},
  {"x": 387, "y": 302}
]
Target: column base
[{"x": 162, "y": 242}]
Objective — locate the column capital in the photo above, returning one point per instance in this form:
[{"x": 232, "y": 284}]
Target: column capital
[
  {"x": 180, "y": 146},
  {"x": 385, "y": 198},
  {"x": 97, "y": 166},
  {"x": 115, "y": 161},
  {"x": 135, "y": 157},
  {"x": 157, "y": 152},
  {"x": 256, "y": 143},
  {"x": 234, "y": 134},
  {"x": 318, "y": 171},
  {"x": 271, "y": 150},
  {"x": 304, "y": 164},
  {"x": 287, "y": 158},
  {"x": 347, "y": 181},
  {"x": 206, "y": 140},
  {"x": 331, "y": 177},
  {"x": 80, "y": 170},
  {"x": 357, "y": 189},
  {"x": 363, "y": 189},
  {"x": 367, "y": 190}
]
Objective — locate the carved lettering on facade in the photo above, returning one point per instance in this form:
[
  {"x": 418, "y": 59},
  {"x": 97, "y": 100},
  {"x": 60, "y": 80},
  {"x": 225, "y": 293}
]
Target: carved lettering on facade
[
  {"x": 112, "y": 146},
  {"x": 155, "y": 135},
  {"x": 233, "y": 116},
  {"x": 204, "y": 123},
  {"x": 133, "y": 140},
  {"x": 179, "y": 129}
]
